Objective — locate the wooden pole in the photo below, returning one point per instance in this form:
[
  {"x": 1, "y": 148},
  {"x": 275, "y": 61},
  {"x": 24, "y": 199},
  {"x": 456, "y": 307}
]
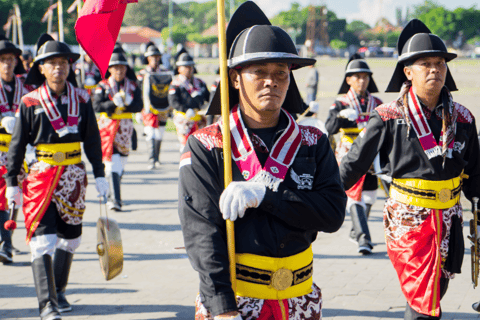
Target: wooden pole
[
  {"x": 14, "y": 33},
  {"x": 19, "y": 25},
  {"x": 227, "y": 148},
  {"x": 50, "y": 21},
  {"x": 60, "y": 21}
]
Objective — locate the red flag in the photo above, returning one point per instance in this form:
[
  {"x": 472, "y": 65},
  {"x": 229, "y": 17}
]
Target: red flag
[{"x": 97, "y": 29}]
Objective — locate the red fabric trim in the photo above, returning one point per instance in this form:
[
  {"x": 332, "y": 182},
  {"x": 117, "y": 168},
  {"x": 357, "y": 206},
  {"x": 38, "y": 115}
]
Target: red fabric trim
[
  {"x": 107, "y": 135},
  {"x": 3, "y": 188},
  {"x": 150, "y": 120},
  {"x": 416, "y": 258},
  {"x": 355, "y": 192},
  {"x": 271, "y": 310}
]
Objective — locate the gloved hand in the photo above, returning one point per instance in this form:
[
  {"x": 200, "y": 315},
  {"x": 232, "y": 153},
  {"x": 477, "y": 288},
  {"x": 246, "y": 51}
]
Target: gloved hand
[
  {"x": 190, "y": 114},
  {"x": 13, "y": 194},
  {"x": 195, "y": 93},
  {"x": 118, "y": 100},
  {"x": 349, "y": 114},
  {"x": 90, "y": 82},
  {"x": 128, "y": 99},
  {"x": 102, "y": 186},
  {"x": 239, "y": 196},
  {"x": 314, "y": 106},
  {"x": 8, "y": 123},
  {"x": 139, "y": 117}
]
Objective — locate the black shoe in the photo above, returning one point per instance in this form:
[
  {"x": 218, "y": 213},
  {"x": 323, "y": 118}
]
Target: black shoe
[
  {"x": 63, "y": 305},
  {"x": 365, "y": 247},
  {"x": 6, "y": 256},
  {"x": 49, "y": 312}
]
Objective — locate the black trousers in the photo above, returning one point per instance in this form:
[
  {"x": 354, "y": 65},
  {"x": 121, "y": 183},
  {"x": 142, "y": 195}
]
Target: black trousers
[
  {"x": 52, "y": 223},
  {"x": 411, "y": 314}
]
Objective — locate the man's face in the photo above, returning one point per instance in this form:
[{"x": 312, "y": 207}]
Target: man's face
[
  {"x": 26, "y": 61},
  {"x": 8, "y": 61},
  {"x": 154, "y": 61},
  {"x": 359, "y": 82},
  {"x": 55, "y": 69},
  {"x": 118, "y": 72},
  {"x": 427, "y": 74},
  {"x": 262, "y": 87},
  {"x": 186, "y": 71}
]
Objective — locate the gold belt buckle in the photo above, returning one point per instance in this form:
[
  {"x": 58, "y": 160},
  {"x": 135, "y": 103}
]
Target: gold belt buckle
[
  {"x": 282, "y": 279},
  {"x": 444, "y": 195},
  {"x": 59, "y": 156}
]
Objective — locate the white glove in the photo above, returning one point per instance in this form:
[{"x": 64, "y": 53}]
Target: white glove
[
  {"x": 139, "y": 117},
  {"x": 8, "y": 123},
  {"x": 13, "y": 194},
  {"x": 189, "y": 114},
  {"x": 349, "y": 114},
  {"x": 102, "y": 186},
  {"x": 118, "y": 100},
  {"x": 313, "y": 106},
  {"x": 195, "y": 93},
  {"x": 128, "y": 99},
  {"x": 239, "y": 196},
  {"x": 90, "y": 82}
]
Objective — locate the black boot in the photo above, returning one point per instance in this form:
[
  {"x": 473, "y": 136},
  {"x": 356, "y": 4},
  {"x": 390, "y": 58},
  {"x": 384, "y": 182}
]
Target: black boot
[
  {"x": 360, "y": 227},
  {"x": 61, "y": 266},
  {"x": 114, "y": 198},
  {"x": 151, "y": 157},
  {"x": 158, "y": 144},
  {"x": 45, "y": 286},
  {"x": 6, "y": 247}
]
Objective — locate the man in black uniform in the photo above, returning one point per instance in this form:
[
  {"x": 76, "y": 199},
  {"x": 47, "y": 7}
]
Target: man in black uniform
[
  {"x": 428, "y": 144},
  {"x": 285, "y": 185},
  {"x": 116, "y": 99},
  {"x": 55, "y": 118},
  {"x": 349, "y": 115}
]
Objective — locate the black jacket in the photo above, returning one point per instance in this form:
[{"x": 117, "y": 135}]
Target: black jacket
[
  {"x": 103, "y": 103},
  {"x": 33, "y": 127},
  {"x": 285, "y": 223},
  {"x": 181, "y": 100}
]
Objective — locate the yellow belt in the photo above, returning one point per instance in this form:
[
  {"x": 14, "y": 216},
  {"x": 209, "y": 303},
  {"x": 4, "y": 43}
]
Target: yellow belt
[
  {"x": 59, "y": 154},
  {"x": 156, "y": 112},
  {"x": 349, "y": 134},
  {"x": 196, "y": 117},
  {"x": 274, "y": 278},
  {"x": 5, "y": 139},
  {"x": 441, "y": 194},
  {"x": 125, "y": 115}
]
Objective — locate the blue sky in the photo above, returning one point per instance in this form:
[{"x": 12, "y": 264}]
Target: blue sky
[{"x": 368, "y": 11}]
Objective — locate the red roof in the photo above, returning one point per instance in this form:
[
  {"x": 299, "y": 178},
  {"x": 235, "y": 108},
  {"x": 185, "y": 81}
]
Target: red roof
[{"x": 132, "y": 38}]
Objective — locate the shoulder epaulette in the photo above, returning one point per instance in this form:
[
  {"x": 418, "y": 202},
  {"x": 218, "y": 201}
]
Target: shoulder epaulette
[
  {"x": 210, "y": 136},
  {"x": 389, "y": 111},
  {"x": 83, "y": 94},
  {"x": 31, "y": 98},
  {"x": 310, "y": 135},
  {"x": 464, "y": 115}
]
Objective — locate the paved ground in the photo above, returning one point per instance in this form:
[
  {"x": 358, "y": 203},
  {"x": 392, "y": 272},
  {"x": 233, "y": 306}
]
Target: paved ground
[{"x": 158, "y": 282}]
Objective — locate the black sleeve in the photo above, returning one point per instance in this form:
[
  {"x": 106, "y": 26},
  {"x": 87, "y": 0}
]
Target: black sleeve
[
  {"x": 137, "y": 102},
  {"x": 175, "y": 99},
  {"x": 18, "y": 145},
  {"x": 204, "y": 96},
  {"x": 203, "y": 227},
  {"x": 92, "y": 145},
  {"x": 333, "y": 122},
  {"x": 101, "y": 102},
  {"x": 323, "y": 207},
  {"x": 363, "y": 151},
  {"x": 471, "y": 186}
]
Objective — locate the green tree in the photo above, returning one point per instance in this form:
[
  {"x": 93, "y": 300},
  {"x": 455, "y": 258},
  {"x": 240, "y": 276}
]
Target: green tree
[
  {"x": 338, "y": 44},
  {"x": 466, "y": 21},
  {"x": 421, "y": 9},
  {"x": 150, "y": 13},
  {"x": 441, "y": 22},
  {"x": 357, "y": 27}
]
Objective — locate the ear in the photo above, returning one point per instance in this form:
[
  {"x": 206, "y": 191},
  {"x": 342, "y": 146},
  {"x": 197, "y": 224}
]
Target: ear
[
  {"x": 348, "y": 80},
  {"x": 408, "y": 73},
  {"x": 40, "y": 68},
  {"x": 234, "y": 78}
]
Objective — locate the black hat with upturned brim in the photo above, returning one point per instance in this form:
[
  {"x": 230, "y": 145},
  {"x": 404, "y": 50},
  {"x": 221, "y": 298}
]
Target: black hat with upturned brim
[
  {"x": 252, "y": 39},
  {"x": 47, "y": 48},
  {"x": 356, "y": 64},
  {"x": 183, "y": 58},
  {"x": 118, "y": 58},
  {"x": 150, "y": 50},
  {"x": 8, "y": 47},
  {"x": 416, "y": 41}
]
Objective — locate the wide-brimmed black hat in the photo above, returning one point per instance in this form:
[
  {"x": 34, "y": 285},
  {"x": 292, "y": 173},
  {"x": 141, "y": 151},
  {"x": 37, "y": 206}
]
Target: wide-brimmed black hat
[
  {"x": 416, "y": 41},
  {"x": 46, "y": 48},
  {"x": 183, "y": 58},
  {"x": 356, "y": 64},
  {"x": 118, "y": 58},
  {"x": 252, "y": 39},
  {"x": 150, "y": 49},
  {"x": 8, "y": 47}
]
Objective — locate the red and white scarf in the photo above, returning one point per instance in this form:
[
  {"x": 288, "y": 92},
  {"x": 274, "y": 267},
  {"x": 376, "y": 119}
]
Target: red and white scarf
[
  {"x": 54, "y": 115},
  {"x": 423, "y": 131},
  {"x": 355, "y": 104},
  {"x": 4, "y": 105},
  {"x": 279, "y": 160},
  {"x": 128, "y": 87}
]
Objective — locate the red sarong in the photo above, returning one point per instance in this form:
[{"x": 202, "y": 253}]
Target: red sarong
[
  {"x": 355, "y": 192},
  {"x": 150, "y": 120},
  {"x": 108, "y": 129}
]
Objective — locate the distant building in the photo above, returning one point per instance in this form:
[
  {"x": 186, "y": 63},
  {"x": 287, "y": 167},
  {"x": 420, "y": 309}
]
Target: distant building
[{"x": 134, "y": 36}]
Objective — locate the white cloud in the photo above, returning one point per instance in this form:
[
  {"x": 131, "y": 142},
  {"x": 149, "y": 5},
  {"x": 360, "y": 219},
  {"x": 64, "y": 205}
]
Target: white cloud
[{"x": 370, "y": 11}]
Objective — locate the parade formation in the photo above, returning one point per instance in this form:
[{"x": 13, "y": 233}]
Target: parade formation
[{"x": 260, "y": 176}]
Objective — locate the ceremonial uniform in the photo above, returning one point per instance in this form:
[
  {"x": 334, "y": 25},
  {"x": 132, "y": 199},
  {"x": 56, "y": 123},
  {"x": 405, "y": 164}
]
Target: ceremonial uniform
[
  {"x": 92, "y": 76},
  {"x": 186, "y": 97},
  {"x": 115, "y": 123},
  {"x": 156, "y": 108},
  {"x": 10, "y": 95},
  {"x": 288, "y": 177},
  {"x": 432, "y": 155},
  {"x": 54, "y": 192}
]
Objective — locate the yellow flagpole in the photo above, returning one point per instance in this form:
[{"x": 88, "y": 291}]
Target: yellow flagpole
[{"x": 227, "y": 149}]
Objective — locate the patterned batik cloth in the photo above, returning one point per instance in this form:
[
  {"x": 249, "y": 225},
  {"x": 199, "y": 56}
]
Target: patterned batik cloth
[
  {"x": 307, "y": 307},
  {"x": 399, "y": 218},
  {"x": 122, "y": 130}
]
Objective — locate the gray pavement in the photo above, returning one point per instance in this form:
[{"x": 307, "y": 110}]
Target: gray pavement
[{"x": 158, "y": 282}]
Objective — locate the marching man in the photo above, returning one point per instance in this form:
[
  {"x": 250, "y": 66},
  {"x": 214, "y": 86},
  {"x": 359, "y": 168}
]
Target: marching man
[
  {"x": 285, "y": 187},
  {"x": 55, "y": 118},
  {"x": 349, "y": 114},
  {"x": 117, "y": 98},
  {"x": 428, "y": 144}
]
